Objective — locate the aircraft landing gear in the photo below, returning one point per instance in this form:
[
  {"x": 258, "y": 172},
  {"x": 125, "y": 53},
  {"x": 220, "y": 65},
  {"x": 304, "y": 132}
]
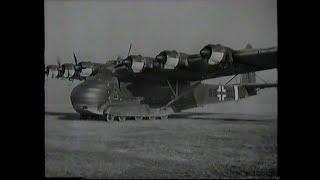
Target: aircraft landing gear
[
  {"x": 121, "y": 118},
  {"x": 109, "y": 117},
  {"x": 138, "y": 118},
  {"x": 164, "y": 117}
]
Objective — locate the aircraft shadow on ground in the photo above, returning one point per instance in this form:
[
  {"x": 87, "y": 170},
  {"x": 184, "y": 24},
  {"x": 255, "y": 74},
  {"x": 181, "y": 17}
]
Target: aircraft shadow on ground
[
  {"x": 215, "y": 116},
  {"x": 68, "y": 116},
  {"x": 180, "y": 116}
]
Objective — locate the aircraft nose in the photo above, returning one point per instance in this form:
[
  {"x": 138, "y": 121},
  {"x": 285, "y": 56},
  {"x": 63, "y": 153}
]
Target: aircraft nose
[{"x": 88, "y": 96}]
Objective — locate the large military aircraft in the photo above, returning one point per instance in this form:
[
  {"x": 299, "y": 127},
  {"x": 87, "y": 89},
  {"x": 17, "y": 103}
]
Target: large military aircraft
[{"x": 139, "y": 87}]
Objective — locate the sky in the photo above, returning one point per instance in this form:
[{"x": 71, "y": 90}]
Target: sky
[{"x": 99, "y": 30}]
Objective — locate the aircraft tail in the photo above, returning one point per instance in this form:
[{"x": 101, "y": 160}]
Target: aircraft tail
[
  {"x": 248, "y": 80},
  {"x": 200, "y": 94},
  {"x": 250, "y": 77}
]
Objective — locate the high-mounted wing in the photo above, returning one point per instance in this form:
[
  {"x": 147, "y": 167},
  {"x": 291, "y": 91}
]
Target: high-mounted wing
[
  {"x": 213, "y": 61},
  {"x": 257, "y": 58},
  {"x": 238, "y": 61}
]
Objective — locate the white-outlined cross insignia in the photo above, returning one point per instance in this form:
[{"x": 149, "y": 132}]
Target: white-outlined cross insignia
[{"x": 221, "y": 93}]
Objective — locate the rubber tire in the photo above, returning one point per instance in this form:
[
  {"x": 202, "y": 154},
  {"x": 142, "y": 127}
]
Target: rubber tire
[
  {"x": 122, "y": 118},
  {"x": 109, "y": 117},
  {"x": 138, "y": 118}
]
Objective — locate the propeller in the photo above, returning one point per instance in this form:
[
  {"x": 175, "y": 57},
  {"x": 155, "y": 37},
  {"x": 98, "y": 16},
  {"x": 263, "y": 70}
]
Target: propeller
[
  {"x": 68, "y": 70},
  {"x": 128, "y": 60},
  {"x": 58, "y": 61},
  {"x": 77, "y": 67},
  {"x": 83, "y": 69},
  {"x": 58, "y": 70},
  {"x": 126, "y": 63},
  {"x": 52, "y": 71},
  {"x": 119, "y": 58},
  {"x": 61, "y": 69},
  {"x": 129, "y": 50}
]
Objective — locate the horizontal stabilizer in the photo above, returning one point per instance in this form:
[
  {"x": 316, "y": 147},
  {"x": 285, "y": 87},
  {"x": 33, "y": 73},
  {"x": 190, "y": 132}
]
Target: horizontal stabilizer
[{"x": 259, "y": 85}]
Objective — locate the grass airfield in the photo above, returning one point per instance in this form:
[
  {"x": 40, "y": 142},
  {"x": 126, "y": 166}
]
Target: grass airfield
[{"x": 187, "y": 145}]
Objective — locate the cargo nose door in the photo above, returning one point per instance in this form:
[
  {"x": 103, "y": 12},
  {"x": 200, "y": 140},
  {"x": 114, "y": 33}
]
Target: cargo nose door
[{"x": 111, "y": 93}]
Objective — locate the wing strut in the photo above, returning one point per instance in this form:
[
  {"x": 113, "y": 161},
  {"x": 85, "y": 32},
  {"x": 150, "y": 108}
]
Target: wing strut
[
  {"x": 174, "y": 92},
  {"x": 232, "y": 78},
  {"x": 261, "y": 78},
  {"x": 182, "y": 94}
]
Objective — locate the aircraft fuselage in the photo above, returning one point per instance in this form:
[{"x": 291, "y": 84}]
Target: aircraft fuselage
[{"x": 97, "y": 95}]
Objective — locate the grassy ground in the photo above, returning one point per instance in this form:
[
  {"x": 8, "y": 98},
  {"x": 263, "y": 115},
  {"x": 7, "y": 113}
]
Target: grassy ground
[{"x": 179, "y": 147}]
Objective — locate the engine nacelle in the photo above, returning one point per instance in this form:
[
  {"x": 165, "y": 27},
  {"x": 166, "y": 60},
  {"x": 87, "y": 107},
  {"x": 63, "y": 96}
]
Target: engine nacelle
[
  {"x": 151, "y": 63},
  {"x": 169, "y": 59},
  {"x": 216, "y": 54},
  {"x": 87, "y": 69},
  {"x": 195, "y": 61},
  {"x": 173, "y": 59},
  {"x": 137, "y": 63},
  {"x": 68, "y": 70},
  {"x": 52, "y": 71}
]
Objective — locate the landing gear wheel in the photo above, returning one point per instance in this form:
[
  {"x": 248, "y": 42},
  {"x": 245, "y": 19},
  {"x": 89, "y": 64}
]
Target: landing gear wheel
[
  {"x": 122, "y": 118},
  {"x": 152, "y": 118},
  {"x": 109, "y": 117},
  {"x": 138, "y": 118},
  {"x": 165, "y": 117}
]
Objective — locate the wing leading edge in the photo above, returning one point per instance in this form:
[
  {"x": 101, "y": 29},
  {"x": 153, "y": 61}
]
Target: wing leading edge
[{"x": 257, "y": 58}]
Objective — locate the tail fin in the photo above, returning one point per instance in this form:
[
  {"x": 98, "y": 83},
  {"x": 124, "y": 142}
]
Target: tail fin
[{"x": 248, "y": 78}]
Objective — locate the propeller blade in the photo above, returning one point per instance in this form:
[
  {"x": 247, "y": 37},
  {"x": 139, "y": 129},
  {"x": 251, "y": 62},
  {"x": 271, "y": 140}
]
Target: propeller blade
[
  {"x": 119, "y": 58},
  {"x": 75, "y": 58},
  {"x": 58, "y": 61},
  {"x": 129, "y": 49},
  {"x": 77, "y": 67}
]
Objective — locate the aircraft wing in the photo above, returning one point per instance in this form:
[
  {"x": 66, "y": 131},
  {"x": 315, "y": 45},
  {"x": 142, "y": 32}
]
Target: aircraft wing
[
  {"x": 213, "y": 61},
  {"x": 257, "y": 58},
  {"x": 247, "y": 60}
]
